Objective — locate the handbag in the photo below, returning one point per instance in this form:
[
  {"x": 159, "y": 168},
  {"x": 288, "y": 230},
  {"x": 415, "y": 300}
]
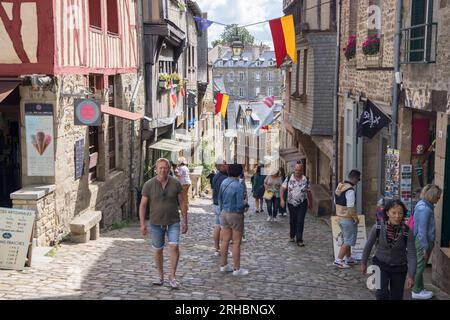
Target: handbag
[{"x": 268, "y": 195}]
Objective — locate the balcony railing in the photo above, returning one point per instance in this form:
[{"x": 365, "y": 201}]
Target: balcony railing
[{"x": 419, "y": 43}]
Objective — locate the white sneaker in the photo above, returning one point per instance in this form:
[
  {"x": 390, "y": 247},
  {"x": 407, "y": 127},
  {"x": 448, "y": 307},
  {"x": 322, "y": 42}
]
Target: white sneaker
[
  {"x": 217, "y": 253},
  {"x": 422, "y": 295},
  {"x": 269, "y": 218},
  {"x": 226, "y": 268},
  {"x": 240, "y": 272},
  {"x": 275, "y": 219}
]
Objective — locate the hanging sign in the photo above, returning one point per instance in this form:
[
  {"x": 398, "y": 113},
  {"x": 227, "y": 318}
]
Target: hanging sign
[
  {"x": 87, "y": 112},
  {"x": 16, "y": 228},
  {"x": 39, "y": 139}
]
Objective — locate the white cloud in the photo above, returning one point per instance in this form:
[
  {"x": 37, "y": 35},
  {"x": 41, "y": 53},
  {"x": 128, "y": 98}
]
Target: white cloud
[{"x": 242, "y": 12}]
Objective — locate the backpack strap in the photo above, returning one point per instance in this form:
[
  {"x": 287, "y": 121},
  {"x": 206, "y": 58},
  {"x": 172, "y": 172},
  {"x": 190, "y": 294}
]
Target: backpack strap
[
  {"x": 378, "y": 229},
  {"x": 405, "y": 233}
]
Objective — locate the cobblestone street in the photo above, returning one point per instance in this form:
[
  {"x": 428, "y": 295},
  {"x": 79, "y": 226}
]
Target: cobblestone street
[{"x": 120, "y": 266}]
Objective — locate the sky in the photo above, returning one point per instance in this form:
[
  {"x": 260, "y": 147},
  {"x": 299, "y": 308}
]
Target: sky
[{"x": 242, "y": 12}]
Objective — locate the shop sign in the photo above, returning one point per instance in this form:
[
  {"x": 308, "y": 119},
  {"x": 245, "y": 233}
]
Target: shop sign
[
  {"x": 16, "y": 228},
  {"x": 87, "y": 112},
  {"x": 361, "y": 238},
  {"x": 39, "y": 139},
  {"x": 428, "y": 100}
]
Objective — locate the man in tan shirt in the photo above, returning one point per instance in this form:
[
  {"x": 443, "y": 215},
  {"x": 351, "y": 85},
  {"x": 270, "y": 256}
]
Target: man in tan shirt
[{"x": 164, "y": 193}]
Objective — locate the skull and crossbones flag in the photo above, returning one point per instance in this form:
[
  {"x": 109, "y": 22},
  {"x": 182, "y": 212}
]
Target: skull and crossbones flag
[{"x": 371, "y": 121}]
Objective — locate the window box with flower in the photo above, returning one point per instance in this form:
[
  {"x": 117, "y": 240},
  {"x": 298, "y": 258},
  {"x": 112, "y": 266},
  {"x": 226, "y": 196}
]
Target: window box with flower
[
  {"x": 164, "y": 81},
  {"x": 371, "y": 48},
  {"x": 350, "y": 49}
]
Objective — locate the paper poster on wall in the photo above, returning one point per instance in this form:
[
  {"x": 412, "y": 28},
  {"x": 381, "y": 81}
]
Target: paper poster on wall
[
  {"x": 40, "y": 140},
  {"x": 361, "y": 238},
  {"x": 16, "y": 227}
]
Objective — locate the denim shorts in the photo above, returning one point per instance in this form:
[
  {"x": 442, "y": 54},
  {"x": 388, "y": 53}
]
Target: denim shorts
[
  {"x": 349, "y": 231},
  {"x": 158, "y": 233},
  {"x": 216, "y": 215}
]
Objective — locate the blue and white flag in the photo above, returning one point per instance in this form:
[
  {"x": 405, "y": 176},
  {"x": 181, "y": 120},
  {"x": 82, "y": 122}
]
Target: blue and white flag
[{"x": 202, "y": 23}]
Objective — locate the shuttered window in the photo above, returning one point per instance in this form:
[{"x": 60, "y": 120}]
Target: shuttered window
[
  {"x": 113, "y": 16},
  {"x": 95, "y": 14}
]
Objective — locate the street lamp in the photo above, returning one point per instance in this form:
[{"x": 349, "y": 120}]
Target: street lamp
[
  {"x": 248, "y": 111},
  {"x": 237, "y": 46}
]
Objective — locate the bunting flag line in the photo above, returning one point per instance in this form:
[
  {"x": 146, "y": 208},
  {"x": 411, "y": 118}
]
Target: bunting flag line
[
  {"x": 269, "y": 101},
  {"x": 203, "y": 23},
  {"x": 371, "y": 121},
  {"x": 283, "y": 36},
  {"x": 222, "y": 103}
]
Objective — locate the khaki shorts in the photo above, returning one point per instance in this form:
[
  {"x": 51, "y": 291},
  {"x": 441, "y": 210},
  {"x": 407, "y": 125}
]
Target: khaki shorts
[{"x": 232, "y": 220}]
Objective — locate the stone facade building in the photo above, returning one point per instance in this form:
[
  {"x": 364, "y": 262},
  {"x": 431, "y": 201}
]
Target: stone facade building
[
  {"x": 63, "y": 53},
  {"x": 365, "y": 77},
  {"x": 252, "y": 76},
  {"x": 424, "y": 111}
]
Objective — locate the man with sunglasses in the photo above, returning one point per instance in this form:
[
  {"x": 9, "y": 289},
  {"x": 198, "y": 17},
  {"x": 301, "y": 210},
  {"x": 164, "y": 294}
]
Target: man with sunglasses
[
  {"x": 164, "y": 193},
  {"x": 345, "y": 199}
]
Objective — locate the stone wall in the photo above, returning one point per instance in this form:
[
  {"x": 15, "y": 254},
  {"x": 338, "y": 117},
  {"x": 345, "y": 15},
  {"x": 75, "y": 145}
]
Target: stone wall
[
  {"x": 112, "y": 192},
  {"x": 359, "y": 78},
  {"x": 47, "y": 224}
]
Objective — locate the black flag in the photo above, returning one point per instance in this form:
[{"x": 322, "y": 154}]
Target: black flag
[{"x": 371, "y": 121}]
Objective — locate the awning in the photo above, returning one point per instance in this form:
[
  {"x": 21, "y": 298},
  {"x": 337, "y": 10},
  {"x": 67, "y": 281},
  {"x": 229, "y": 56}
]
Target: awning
[
  {"x": 6, "y": 87},
  {"x": 122, "y": 113},
  {"x": 170, "y": 145}
]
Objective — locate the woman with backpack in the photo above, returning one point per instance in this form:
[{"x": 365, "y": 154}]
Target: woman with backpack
[
  {"x": 425, "y": 234},
  {"x": 395, "y": 252}
]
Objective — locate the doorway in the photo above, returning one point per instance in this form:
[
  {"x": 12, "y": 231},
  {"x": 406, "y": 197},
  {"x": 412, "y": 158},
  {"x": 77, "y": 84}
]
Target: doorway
[{"x": 10, "y": 157}]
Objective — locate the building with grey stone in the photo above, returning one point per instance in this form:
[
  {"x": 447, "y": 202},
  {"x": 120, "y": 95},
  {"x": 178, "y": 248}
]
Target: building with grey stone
[{"x": 251, "y": 76}]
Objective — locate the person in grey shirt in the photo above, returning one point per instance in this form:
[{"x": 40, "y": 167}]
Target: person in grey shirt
[{"x": 395, "y": 253}]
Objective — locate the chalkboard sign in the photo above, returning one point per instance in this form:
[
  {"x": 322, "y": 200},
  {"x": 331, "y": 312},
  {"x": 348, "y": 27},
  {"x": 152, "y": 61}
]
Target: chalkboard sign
[
  {"x": 16, "y": 230},
  {"x": 79, "y": 159}
]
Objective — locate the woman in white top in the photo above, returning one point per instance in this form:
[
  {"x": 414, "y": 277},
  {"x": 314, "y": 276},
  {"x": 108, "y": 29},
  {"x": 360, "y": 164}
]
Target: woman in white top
[{"x": 183, "y": 177}]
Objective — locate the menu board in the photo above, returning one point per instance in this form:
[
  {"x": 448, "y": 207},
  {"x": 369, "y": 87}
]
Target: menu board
[
  {"x": 338, "y": 238},
  {"x": 16, "y": 227},
  {"x": 406, "y": 186},
  {"x": 392, "y": 174},
  {"x": 79, "y": 158}
]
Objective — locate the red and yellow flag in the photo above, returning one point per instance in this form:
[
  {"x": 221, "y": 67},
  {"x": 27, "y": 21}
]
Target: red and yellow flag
[
  {"x": 222, "y": 103},
  {"x": 283, "y": 36}
]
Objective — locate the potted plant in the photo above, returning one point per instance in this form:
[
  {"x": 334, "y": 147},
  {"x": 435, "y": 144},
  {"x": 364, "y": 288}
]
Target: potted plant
[
  {"x": 164, "y": 78},
  {"x": 371, "y": 46},
  {"x": 350, "y": 49},
  {"x": 175, "y": 77},
  {"x": 181, "y": 5}
]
